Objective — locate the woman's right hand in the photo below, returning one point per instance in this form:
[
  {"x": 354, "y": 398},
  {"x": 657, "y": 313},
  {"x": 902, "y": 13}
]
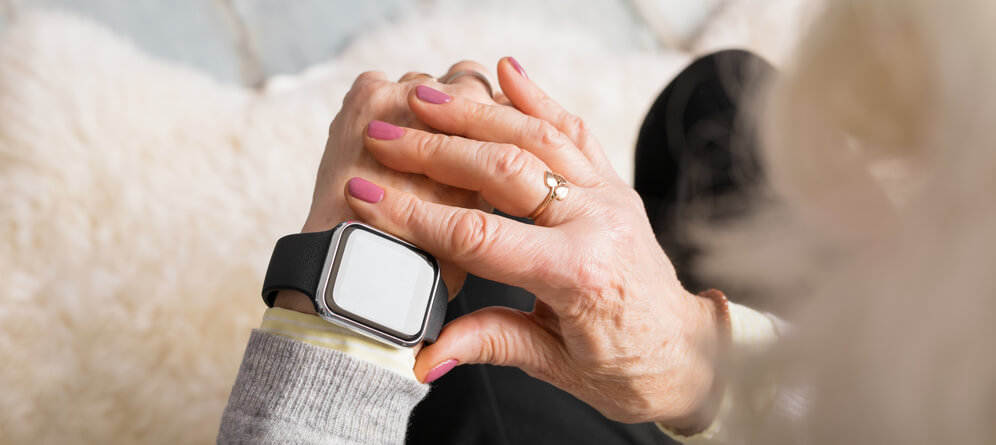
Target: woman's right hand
[{"x": 611, "y": 325}]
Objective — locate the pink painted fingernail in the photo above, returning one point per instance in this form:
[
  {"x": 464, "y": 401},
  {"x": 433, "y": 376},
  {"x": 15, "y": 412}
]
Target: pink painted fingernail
[
  {"x": 384, "y": 131},
  {"x": 364, "y": 190},
  {"x": 440, "y": 370},
  {"x": 515, "y": 64},
  {"x": 431, "y": 96}
]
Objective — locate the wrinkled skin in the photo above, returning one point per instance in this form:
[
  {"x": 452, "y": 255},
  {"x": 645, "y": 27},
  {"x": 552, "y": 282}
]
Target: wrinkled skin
[
  {"x": 611, "y": 325},
  {"x": 373, "y": 96}
]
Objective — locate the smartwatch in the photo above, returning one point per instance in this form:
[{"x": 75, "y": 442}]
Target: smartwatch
[{"x": 364, "y": 280}]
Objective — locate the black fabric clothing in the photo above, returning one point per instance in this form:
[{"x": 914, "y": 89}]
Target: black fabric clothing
[
  {"x": 697, "y": 155},
  {"x": 692, "y": 148}
]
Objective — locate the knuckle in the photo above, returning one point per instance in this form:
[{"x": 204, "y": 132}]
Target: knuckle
[
  {"x": 409, "y": 76},
  {"x": 547, "y": 103},
  {"x": 349, "y": 98},
  {"x": 470, "y": 233},
  {"x": 478, "y": 113},
  {"x": 361, "y": 93},
  {"x": 495, "y": 348},
  {"x": 574, "y": 124},
  {"x": 368, "y": 90},
  {"x": 484, "y": 323},
  {"x": 468, "y": 64},
  {"x": 406, "y": 211},
  {"x": 422, "y": 80},
  {"x": 592, "y": 274},
  {"x": 511, "y": 163},
  {"x": 584, "y": 311},
  {"x": 427, "y": 145},
  {"x": 549, "y": 136},
  {"x": 368, "y": 76}
]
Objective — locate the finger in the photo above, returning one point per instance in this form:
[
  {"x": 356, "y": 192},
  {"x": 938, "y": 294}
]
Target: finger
[
  {"x": 494, "y": 335},
  {"x": 497, "y": 123},
  {"x": 483, "y": 244},
  {"x": 501, "y": 99},
  {"x": 403, "y": 115},
  {"x": 369, "y": 76},
  {"x": 509, "y": 178},
  {"x": 469, "y": 86},
  {"x": 533, "y": 101},
  {"x": 412, "y": 75}
]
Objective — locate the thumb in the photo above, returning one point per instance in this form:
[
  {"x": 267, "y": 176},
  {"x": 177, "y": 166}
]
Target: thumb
[{"x": 493, "y": 335}]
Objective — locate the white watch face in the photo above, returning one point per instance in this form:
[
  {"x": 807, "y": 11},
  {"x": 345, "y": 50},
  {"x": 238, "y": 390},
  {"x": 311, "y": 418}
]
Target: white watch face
[{"x": 381, "y": 281}]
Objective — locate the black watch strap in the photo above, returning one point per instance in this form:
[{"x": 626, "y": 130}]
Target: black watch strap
[
  {"x": 437, "y": 312},
  {"x": 296, "y": 264}
]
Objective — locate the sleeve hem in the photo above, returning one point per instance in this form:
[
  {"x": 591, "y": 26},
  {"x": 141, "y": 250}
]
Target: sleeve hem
[
  {"x": 323, "y": 391},
  {"x": 313, "y": 330},
  {"x": 750, "y": 330}
]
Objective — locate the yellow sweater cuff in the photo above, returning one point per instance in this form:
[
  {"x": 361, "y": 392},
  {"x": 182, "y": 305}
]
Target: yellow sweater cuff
[
  {"x": 313, "y": 330},
  {"x": 750, "y": 330}
]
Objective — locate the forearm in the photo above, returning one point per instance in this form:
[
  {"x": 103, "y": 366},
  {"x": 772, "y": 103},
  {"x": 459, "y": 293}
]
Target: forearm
[{"x": 289, "y": 391}]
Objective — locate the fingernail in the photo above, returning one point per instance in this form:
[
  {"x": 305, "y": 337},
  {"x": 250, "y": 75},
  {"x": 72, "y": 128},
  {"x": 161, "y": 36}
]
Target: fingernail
[
  {"x": 431, "y": 96},
  {"x": 440, "y": 370},
  {"x": 515, "y": 64},
  {"x": 384, "y": 131},
  {"x": 364, "y": 190}
]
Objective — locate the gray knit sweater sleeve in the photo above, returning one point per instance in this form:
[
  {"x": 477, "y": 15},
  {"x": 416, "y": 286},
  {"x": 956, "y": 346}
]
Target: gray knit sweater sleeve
[{"x": 292, "y": 392}]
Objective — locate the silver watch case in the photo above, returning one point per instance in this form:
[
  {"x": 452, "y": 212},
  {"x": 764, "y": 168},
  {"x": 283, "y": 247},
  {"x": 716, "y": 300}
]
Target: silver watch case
[{"x": 344, "y": 320}]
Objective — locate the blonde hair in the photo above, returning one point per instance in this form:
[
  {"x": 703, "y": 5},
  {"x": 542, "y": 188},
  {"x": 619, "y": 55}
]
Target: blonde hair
[{"x": 880, "y": 239}]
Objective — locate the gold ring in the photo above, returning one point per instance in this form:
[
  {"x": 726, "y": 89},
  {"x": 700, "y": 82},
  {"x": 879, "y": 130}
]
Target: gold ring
[
  {"x": 558, "y": 190},
  {"x": 456, "y": 74}
]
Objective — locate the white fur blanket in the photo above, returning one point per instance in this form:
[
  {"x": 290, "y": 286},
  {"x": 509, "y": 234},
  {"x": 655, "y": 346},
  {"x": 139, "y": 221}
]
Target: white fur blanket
[{"x": 139, "y": 202}]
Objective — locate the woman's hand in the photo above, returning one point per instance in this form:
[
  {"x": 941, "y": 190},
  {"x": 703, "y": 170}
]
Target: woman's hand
[
  {"x": 611, "y": 325},
  {"x": 373, "y": 96}
]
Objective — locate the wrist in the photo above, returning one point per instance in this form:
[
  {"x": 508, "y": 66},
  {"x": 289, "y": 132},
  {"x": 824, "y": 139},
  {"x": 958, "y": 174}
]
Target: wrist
[
  {"x": 298, "y": 302},
  {"x": 711, "y": 340},
  {"x": 295, "y": 301}
]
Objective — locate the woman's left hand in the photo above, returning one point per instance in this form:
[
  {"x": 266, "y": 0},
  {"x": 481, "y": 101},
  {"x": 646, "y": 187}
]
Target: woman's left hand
[
  {"x": 611, "y": 325},
  {"x": 373, "y": 96}
]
